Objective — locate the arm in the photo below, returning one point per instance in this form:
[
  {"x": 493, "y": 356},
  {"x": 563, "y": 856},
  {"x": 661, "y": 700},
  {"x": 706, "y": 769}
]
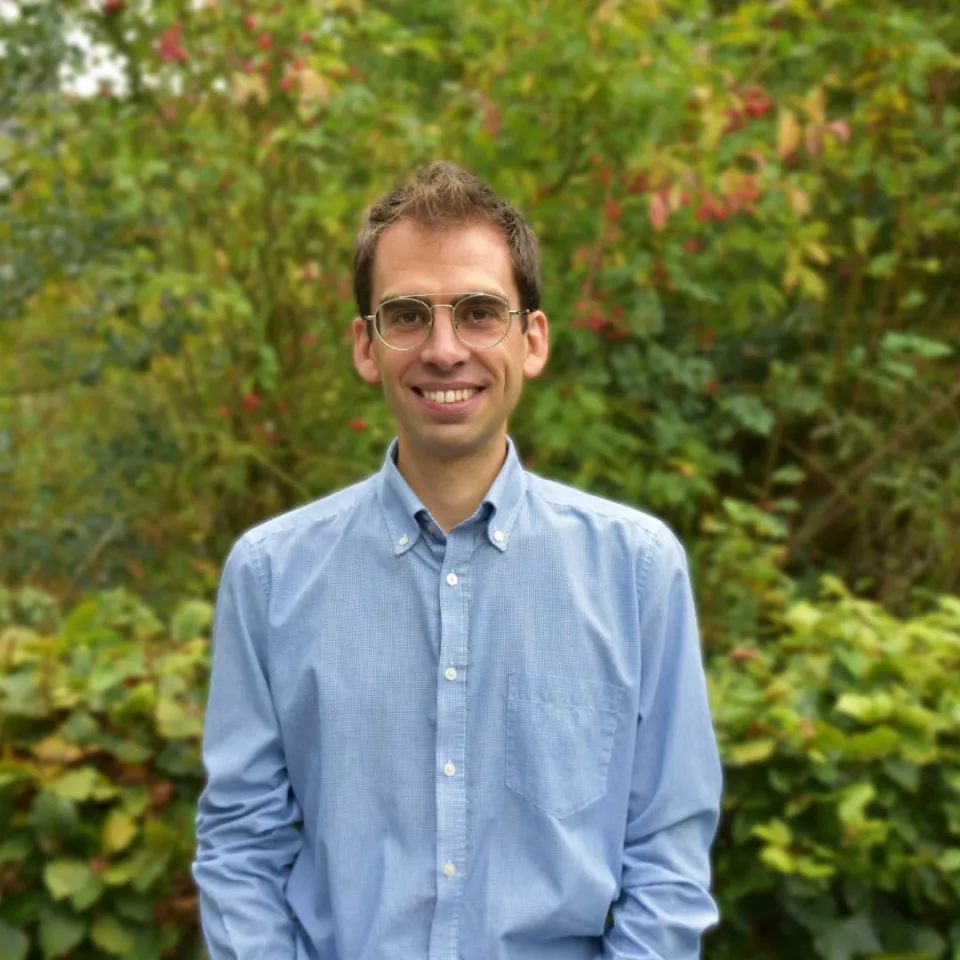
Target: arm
[
  {"x": 665, "y": 904},
  {"x": 246, "y": 834}
]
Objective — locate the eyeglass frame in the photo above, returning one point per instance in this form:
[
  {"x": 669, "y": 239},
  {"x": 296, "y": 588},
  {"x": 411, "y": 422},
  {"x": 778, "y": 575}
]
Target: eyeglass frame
[{"x": 371, "y": 318}]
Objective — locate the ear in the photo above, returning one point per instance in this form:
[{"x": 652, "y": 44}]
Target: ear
[
  {"x": 363, "y": 355},
  {"x": 537, "y": 336}
]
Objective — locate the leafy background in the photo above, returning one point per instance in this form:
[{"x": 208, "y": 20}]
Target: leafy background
[{"x": 749, "y": 214}]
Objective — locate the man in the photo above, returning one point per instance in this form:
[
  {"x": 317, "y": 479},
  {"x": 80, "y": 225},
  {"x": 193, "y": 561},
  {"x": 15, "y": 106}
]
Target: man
[{"x": 457, "y": 711}]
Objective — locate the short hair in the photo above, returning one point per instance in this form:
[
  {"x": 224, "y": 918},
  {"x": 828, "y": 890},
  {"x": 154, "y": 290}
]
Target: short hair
[{"x": 441, "y": 195}]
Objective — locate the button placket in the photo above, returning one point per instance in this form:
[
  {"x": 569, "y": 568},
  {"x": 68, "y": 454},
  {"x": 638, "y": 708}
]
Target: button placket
[{"x": 451, "y": 736}]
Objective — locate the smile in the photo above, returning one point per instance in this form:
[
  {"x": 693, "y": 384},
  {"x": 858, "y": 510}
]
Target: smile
[{"x": 449, "y": 396}]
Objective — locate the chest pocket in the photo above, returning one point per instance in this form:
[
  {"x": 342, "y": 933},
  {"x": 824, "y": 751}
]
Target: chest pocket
[{"x": 560, "y": 734}]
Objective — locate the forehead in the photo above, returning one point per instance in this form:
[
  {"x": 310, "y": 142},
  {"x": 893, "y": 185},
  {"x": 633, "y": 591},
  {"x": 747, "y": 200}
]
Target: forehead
[{"x": 412, "y": 258}]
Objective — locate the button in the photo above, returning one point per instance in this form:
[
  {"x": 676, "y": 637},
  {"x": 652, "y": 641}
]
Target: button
[
  {"x": 449, "y": 869},
  {"x": 450, "y": 673},
  {"x": 498, "y": 536},
  {"x": 403, "y": 541},
  {"x": 449, "y": 769},
  {"x": 452, "y": 579}
]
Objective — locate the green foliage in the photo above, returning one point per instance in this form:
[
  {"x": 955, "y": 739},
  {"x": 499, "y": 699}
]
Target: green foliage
[
  {"x": 749, "y": 218},
  {"x": 100, "y": 720},
  {"x": 841, "y": 746},
  {"x": 749, "y": 214}
]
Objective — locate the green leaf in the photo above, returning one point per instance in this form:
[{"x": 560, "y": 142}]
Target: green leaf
[
  {"x": 59, "y": 933},
  {"x": 847, "y": 939},
  {"x": 949, "y": 861},
  {"x": 14, "y": 944},
  {"x": 118, "y": 830},
  {"x": 853, "y": 801},
  {"x": 175, "y": 723},
  {"x": 15, "y": 848},
  {"x": 111, "y": 935},
  {"x": 191, "y": 620},
  {"x": 750, "y": 413},
  {"x": 865, "y": 708},
  {"x": 88, "y": 894},
  {"x": 914, "y": 344},
  {"x": 65, "y": 877},
  {"x": 53, "y": 817},
  {"x": 754, "y": 751},
  {"x": 788, "y": 474},
  {"x": 875, "y": 743},
  {"x": 777, "y": 858},
  {"x": 883, "y": 264},
  {"x": 776, "y": 832},
  {"x": 77, "y": 784}
]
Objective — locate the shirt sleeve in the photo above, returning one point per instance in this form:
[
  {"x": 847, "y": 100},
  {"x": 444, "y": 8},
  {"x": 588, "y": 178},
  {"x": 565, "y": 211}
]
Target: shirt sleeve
[
  {"x": 665, "y": 904},
  {"x": 247, "y": 836}
]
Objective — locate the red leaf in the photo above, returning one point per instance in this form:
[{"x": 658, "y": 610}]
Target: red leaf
[
  {"x": 171, "y": 49},
  {"x": 658, "y": 210},
  {"x": 612, "y": 210},
  {"x": 841, "y": 128}
]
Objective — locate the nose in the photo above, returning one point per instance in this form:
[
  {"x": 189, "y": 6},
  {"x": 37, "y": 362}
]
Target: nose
[{"x": 443, "y": 347}]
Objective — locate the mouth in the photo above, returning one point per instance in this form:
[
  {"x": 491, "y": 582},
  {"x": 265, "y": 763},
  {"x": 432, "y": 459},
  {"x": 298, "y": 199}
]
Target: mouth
[{"x": 449, "y": 401}]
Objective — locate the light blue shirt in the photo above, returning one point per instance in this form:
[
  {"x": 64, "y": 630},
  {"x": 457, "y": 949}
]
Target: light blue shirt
[{"x": 460, "y": 747}]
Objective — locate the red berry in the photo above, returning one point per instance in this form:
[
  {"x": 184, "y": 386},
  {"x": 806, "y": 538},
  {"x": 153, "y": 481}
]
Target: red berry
[
  {"x": 250, "y": 21},
  {"x": 358, "y": 424},
  {"x": 113, "y": 6},
  {"x": 250, "y": 402},
  {"x": 224, "y": 411},
  {"x": 265, "y": 41}
]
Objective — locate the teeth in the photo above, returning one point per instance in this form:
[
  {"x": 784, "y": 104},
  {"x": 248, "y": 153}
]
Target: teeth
[{"x": 449, "y": 396}]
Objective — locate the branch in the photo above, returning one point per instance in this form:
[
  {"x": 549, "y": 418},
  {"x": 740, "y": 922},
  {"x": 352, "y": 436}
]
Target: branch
[{"x": 821, "y": 517}]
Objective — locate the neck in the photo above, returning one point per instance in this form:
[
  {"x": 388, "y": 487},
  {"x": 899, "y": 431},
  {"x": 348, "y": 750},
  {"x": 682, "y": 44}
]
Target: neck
[{"x": 451, "y": 488}]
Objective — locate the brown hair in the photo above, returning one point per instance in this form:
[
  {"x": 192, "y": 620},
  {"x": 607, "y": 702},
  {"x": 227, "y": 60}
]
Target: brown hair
[{"x": 442, "y": 195}]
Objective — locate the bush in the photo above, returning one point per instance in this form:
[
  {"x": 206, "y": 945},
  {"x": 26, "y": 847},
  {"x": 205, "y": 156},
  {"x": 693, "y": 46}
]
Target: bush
[
  {"x": 748, "y": 210},
  {"x": 841, "y": 745},
  {"x": 100, "y": 720},
  {"x": 840, "y": 837}
]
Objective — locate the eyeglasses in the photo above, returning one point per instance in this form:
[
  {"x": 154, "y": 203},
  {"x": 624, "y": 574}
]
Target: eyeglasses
[{"x": 480, "y": 320}]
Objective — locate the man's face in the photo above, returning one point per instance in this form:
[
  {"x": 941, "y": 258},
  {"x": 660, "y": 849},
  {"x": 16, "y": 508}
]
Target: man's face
[{"x": 433, "y": 263}]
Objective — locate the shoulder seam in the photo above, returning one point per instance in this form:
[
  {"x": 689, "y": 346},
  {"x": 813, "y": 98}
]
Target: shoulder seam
[
  {"x": 257, "y": 566},
  {"x": 258, "y": 534},
  {"x": 639, "y": 518}
]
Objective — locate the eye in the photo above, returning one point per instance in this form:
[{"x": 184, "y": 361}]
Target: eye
[
  {"x": 405, "y": 313},
  {"x": 480, "y": 312}
]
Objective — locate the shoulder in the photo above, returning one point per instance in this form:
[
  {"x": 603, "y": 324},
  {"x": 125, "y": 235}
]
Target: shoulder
[
  {"x": 649, "y": 538},
  {"x": 312, "y": 520}
]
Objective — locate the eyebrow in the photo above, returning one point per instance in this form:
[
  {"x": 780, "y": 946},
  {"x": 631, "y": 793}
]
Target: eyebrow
[{"x": 455, "y": 297}]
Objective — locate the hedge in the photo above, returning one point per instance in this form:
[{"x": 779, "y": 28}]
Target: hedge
[{"x": 841, "y": 744}]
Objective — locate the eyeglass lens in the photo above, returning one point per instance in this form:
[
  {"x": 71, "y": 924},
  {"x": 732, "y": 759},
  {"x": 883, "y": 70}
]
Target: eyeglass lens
[{"x": 480, "y": 320}]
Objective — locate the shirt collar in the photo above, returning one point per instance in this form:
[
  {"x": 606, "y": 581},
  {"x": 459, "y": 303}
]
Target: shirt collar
[{"x": 499, "y": 509}]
